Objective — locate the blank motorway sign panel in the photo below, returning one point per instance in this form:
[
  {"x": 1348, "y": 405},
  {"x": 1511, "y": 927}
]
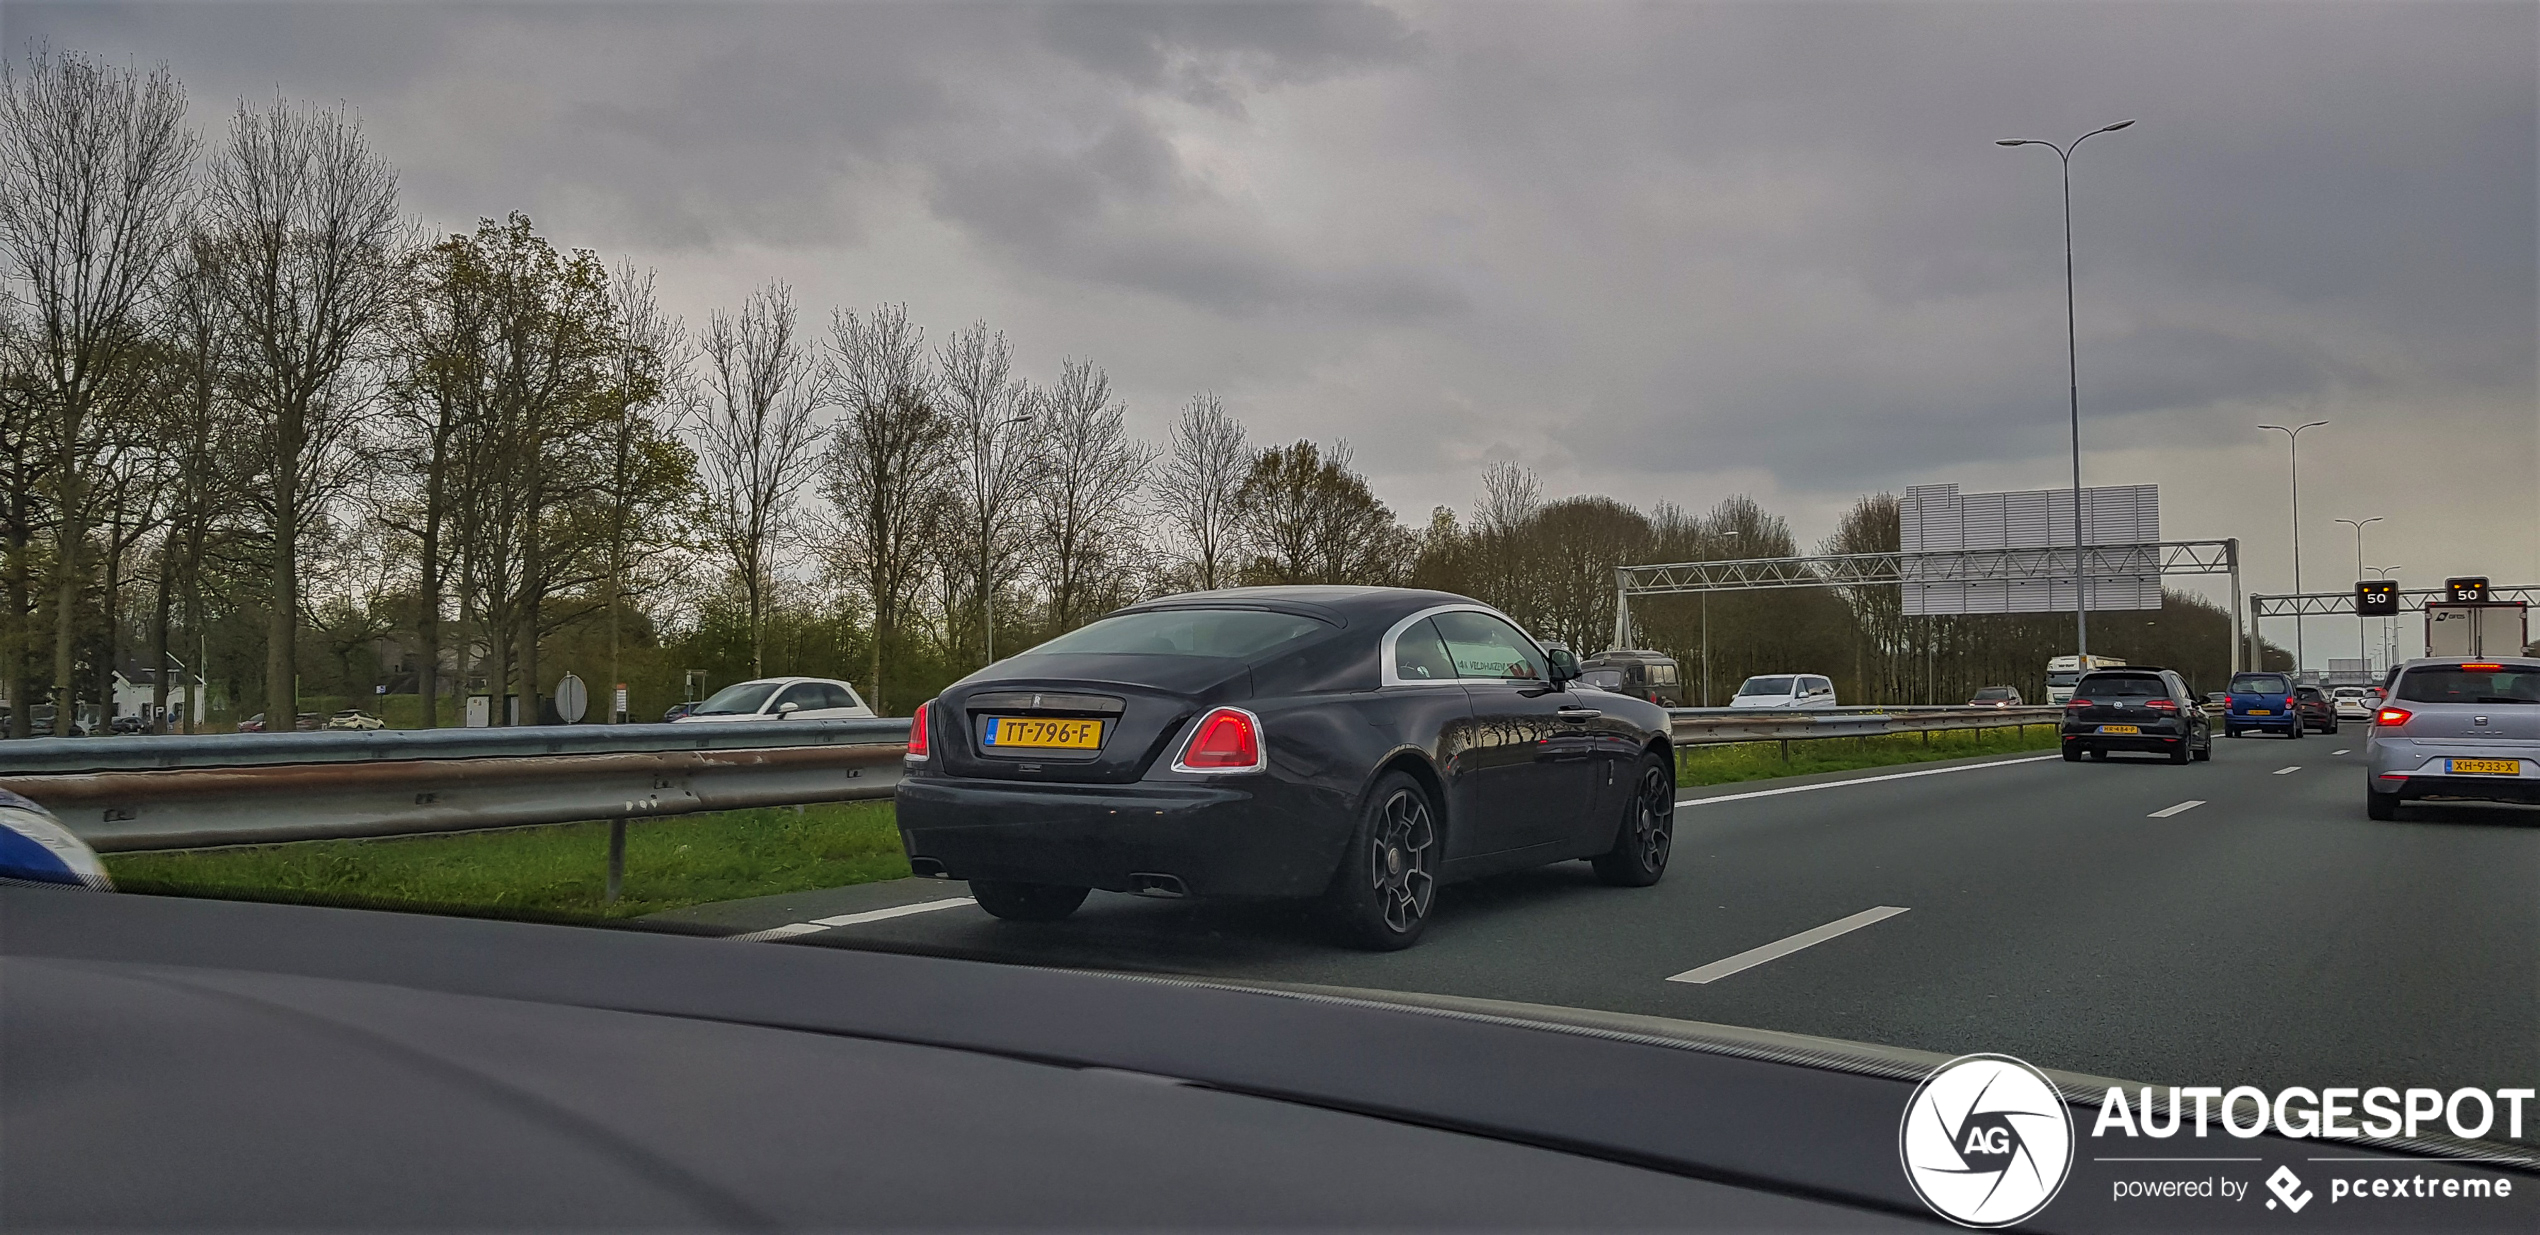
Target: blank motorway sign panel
[{"x": 2014, "y": 532}]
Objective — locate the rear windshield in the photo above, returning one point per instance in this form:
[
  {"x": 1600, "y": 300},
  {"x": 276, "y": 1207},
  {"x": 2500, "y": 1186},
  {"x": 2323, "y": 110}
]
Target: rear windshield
[
  {"x": 2261, "y": 684},
  {"x": 1765, "y": 686},
  {"x": 2065, "y": 678},
  {"x": 2510, "y": 684},
  {"x": 2129, "y": 685},
  {"x": 1234, "y": 633}
]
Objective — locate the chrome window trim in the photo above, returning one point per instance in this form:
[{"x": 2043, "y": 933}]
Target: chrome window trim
[{"x": 1387, "y": 676}]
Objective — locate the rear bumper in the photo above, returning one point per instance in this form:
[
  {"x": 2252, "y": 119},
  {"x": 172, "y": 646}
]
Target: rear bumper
[
  {"x": 1243, "y": 836},
  {"x": 2283, "y": 722},
  {"x": 2414, "y": 770},
  {"x": 2158, "y": 737}
]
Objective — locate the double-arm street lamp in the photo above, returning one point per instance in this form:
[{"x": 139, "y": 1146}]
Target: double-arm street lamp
[
  {"x": 2293, "y": 439},
  {"x": 2072, "y": 355},
  {"x": 2360, "y": 624}
]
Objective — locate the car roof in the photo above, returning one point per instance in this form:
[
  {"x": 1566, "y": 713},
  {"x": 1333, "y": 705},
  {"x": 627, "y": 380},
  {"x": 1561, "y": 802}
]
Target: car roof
[
  {"x": 1630, "y": 654},
  {"x": 1341, "y": 606}
]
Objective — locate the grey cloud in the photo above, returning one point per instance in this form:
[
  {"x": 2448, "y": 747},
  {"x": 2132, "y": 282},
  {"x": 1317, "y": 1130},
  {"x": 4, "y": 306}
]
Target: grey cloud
[{"x": 1211, "y": 53}]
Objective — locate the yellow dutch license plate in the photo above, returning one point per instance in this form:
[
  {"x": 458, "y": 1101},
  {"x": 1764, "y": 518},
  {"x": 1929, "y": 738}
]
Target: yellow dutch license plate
[
  {"x": 2486, "y": 767},
  {"x": 1034, "y": 733},
  {"x": 2260, "y": 712},
  {"x": 2119, "y": 729}
]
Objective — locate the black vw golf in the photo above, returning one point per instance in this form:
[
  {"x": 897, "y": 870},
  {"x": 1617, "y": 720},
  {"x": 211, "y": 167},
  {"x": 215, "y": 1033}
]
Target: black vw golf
[{"x": 1357, "y": 745}]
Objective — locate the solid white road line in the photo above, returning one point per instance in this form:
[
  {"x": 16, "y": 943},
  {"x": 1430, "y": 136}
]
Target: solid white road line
[
  {"x": 2282, "y": 771},
  {"x": 1863, "y": 780},
  {"x": 2180, "y": 809},
  {"x": 895, "y": 911},
  {"x": 1774, "y": 951},
  {"x": 817, "y": 925},
  {"x": 787, "y": 931}
]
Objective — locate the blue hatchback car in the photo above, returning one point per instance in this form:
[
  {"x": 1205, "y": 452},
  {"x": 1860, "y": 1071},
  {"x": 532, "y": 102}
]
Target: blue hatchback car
[{"x": 2261, "y": 702}]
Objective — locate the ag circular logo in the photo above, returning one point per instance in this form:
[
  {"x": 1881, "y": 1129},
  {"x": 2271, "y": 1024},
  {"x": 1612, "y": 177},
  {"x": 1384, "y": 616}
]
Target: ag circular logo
[{"x": 1986, "y": 1141}]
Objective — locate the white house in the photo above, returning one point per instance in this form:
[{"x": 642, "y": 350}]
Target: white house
[{"x": 135, "y": 686}]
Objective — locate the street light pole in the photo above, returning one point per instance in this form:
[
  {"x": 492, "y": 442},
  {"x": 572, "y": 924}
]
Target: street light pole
[
  {"x": 2072, "y": 356},
  {"x": 2358, "y": 525},
  {"x": 2293, "y": 440}
]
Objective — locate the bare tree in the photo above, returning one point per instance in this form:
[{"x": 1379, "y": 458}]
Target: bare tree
[
  {"x": 648, "y": 469},
  {"x": 996, "y": 452},
  {"x": 309, "y": 274},
  {"x": 756, "y": 442},
  {"x": 93, "y": 174},
  {"x": 1086, "y": 499},
  {"x": 887, "y": 465},
  {"x": 1197, "y": 487}
]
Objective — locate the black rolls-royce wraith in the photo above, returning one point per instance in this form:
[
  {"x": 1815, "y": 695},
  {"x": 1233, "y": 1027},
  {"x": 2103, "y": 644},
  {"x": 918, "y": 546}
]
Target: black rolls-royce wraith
[{"x": 1358, "y": 745}]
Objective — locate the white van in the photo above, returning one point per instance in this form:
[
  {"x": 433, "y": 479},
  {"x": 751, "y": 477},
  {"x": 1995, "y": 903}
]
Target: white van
[{"x": 1784, "y": 690}]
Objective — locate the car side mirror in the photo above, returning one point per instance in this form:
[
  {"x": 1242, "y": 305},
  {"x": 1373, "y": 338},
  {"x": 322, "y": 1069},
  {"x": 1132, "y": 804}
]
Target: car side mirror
[
  {"x": 1565, "y": 665},
  {"x": 788, "y": 709}
]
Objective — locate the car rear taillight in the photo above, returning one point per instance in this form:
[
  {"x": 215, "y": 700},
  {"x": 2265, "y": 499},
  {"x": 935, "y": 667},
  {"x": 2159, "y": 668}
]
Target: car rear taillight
[
  {"x": 917, "y": 730},
  {"x": 2483, "y": 668},
  {"x": 1225, "y": 740},
  {"x": 2392, "y": 716},
  {"x": 2288, "y": 702},
  {"x": 2164, "y": 705},
  {"x": 2077, "y": 702}
]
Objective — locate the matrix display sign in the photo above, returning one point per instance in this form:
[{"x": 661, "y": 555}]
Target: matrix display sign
[{"x": 2377, "y": 597}]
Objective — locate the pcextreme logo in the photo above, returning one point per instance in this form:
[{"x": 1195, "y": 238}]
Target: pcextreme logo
[{"x": 1986, "y": 1141}]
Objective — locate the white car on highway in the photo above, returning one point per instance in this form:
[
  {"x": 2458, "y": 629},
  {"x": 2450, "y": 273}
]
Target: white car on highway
[
  {"x": 781, "y": 699},
  {"x": 2353, "y": 703},
  {"x": 1784, "y": 690}
]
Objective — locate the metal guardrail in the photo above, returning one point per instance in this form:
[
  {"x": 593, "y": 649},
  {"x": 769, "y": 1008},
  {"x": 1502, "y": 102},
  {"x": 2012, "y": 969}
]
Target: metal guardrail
[
  {"x": 176, "y": 792},
  {"x": 1723, "y": 726},
  {"x": 135, "y": 793}
]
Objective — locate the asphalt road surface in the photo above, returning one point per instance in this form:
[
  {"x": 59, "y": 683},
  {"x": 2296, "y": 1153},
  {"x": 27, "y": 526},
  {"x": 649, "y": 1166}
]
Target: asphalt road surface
[{"x": 2070, "y": 914}]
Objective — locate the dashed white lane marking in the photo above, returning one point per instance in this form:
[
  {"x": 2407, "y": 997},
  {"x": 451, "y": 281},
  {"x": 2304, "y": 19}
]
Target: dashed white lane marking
[
  {"x": 2180, "y": 809},
  {"x": 816, "y": 925},
  {"x": 2342, "y": 752},
  {"x": 1752, "y": 957},
  {"x": 2282, "y": 771},
  {"x": 1862, "y": 780}
]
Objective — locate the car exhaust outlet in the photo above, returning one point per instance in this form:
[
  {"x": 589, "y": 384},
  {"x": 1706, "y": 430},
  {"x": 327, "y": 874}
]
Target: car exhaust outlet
[
  {"x": 1158, "y": 885},
  {"x": 927, "y": 867}
]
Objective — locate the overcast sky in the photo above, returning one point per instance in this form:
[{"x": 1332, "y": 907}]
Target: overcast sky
[{"x": 1664, "y": 251}]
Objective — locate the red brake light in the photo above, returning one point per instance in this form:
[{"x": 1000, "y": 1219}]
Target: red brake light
[
  {"x": 2077, "y": 702},
  {"x": 1225, "y": 740},
  {"x": 2164, "y": 705},
  {"x": 917, "y": 730},
  {"x": 2392, "y": 716}
]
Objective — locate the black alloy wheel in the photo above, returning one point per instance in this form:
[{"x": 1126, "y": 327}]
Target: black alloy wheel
[
  {"x": 2205, "y": 753},
  {"x": 2181, "y": 754},
  {"x": 1026, "y": 902},
  {"x": 2383, "y": 807},
  {"x": 1647, "y": 834},
  {"x": 1388, "y": 881},
  {"x": 2072, "y": 753}
]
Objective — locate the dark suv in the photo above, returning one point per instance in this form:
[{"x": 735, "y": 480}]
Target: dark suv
[
  {"x": 2135, "y": 708},
  {"x": 1630, "y": 671}
]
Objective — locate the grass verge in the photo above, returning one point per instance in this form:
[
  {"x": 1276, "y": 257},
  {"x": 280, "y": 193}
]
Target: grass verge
[
  {"x": 560, "y": 873},
  {"x": 1743, "y": 761},
  {"x": 556, "y": 873}
]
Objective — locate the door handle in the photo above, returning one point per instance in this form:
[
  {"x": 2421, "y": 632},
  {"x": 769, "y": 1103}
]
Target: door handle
[{"x": 1578, "y": 714}]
